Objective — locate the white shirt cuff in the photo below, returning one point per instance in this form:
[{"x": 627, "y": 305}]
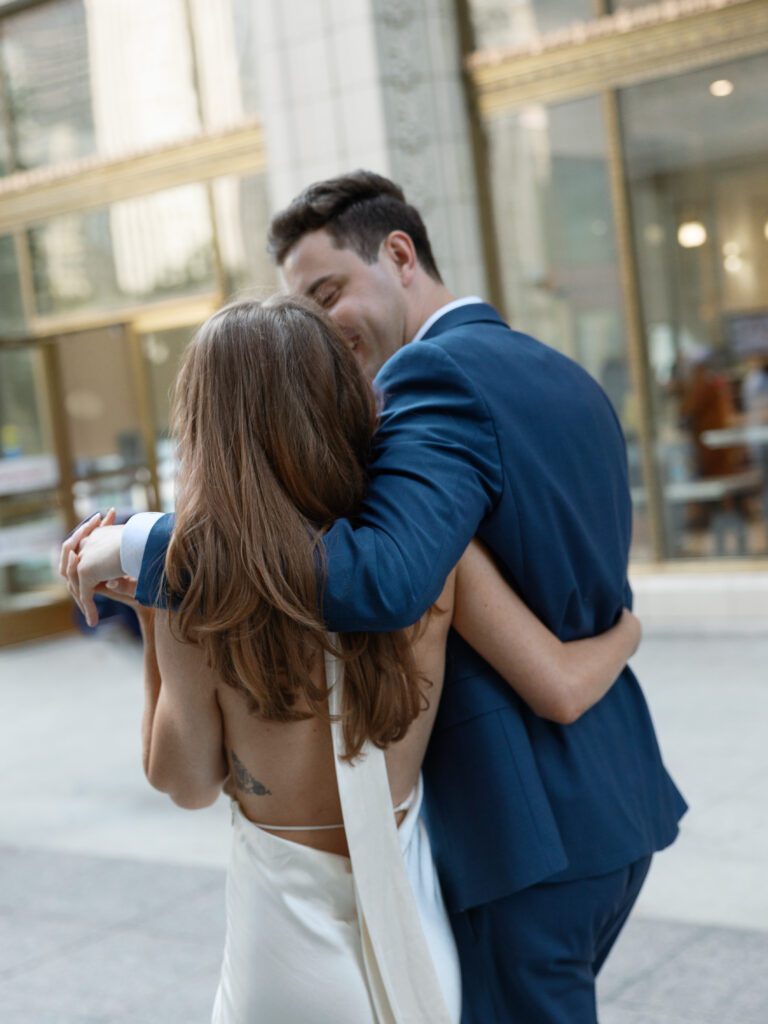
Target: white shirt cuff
[{"x": 134, "y": 539}]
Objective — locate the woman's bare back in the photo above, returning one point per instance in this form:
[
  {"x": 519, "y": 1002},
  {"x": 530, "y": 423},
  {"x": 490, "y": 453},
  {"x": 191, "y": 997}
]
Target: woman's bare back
[{"x": 283, "y": 773}]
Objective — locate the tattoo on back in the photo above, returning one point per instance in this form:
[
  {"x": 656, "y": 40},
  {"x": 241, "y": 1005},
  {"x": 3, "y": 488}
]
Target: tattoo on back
[{"x": 244, "y": 780}]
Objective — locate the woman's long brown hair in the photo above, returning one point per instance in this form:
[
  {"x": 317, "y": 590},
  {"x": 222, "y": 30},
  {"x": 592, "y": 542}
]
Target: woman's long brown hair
[{"x": 274, "y": 422}]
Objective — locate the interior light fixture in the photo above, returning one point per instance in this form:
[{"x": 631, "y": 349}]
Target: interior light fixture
[
  {"x": 721, "y": 87},
  {"x": 691, "y": 234},
  {"x": 731, "y": 249},
  {"x": 733, "y": 264},
  {"x": 765, "y": 230}
]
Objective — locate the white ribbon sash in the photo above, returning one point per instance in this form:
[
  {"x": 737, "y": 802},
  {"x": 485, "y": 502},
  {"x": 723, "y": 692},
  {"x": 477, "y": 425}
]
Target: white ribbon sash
[{"x": 401, "y": 972}]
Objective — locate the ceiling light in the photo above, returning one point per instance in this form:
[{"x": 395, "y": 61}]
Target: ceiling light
[
  {"x": 733, "y": 264},
  {"x": 691, "y": 234},
  {"x": 721, "y": 87},
  {"x": 731, "y": 249}
]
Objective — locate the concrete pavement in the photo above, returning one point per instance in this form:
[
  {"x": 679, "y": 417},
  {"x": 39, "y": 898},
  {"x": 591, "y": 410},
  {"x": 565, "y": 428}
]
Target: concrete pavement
[{"x": 111, "y": 899}]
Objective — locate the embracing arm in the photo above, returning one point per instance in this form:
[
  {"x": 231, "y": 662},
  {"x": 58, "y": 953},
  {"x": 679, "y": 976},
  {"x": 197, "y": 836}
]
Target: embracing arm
[
  {"x": 182, "y": 731},
  {"x": 559, "y": 681},
  {"x": 435, "y": 474},
  {"x": 435, "y": 442}
]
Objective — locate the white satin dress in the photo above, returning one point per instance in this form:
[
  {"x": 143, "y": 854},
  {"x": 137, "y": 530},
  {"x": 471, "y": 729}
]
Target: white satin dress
[{"x": 293, "y": 951}]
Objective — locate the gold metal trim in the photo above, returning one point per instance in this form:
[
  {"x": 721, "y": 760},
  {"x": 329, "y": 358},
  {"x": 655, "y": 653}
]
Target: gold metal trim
[
  {"x": 38, "y": 195},
  {"x": 47, "y": 619},
  {"x": 180, "y": 312},
  {"x": 619, "y": 50}
]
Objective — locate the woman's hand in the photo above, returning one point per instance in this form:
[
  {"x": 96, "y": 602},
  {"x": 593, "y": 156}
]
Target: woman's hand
[{"x": 90, "y": 556}]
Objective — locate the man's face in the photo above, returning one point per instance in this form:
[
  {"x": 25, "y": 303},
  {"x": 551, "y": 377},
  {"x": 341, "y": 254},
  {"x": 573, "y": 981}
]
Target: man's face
[{"x": 366, "y": 300}]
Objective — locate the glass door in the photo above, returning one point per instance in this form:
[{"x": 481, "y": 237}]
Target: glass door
[{"x": 74, "y": 438}]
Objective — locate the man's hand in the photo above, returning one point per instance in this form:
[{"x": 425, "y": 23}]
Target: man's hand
[{"x": 90, "y": 556}]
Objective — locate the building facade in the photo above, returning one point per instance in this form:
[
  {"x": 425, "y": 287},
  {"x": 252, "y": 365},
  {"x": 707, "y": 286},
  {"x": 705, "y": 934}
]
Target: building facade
[{"x": 598, "y": 170}]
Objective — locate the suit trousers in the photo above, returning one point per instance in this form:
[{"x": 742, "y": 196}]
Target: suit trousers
[{"x": 533, "y": 957}]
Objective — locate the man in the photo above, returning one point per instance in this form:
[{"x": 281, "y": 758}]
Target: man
[{"x": 543, "y": 834}]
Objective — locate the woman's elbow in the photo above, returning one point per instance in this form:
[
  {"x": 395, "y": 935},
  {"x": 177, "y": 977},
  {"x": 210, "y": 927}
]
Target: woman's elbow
[
  {"x": 195, "y": 799},
  {"x": 561, "y": 705},
  {"x": 190, "y": 796}
]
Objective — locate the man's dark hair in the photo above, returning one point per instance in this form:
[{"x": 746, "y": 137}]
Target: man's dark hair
[{"x": 358, "y": 211}]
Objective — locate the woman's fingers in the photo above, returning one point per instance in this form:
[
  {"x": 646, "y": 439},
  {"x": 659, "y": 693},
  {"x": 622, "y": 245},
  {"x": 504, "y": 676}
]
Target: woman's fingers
[{"x": 72, "y": 542}]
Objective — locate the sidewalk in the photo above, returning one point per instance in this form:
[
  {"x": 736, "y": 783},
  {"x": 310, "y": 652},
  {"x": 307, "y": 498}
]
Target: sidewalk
[{"x": 111, "y": 899}]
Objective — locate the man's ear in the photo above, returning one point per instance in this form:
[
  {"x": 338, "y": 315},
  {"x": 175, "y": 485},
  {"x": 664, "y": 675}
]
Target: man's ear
[{"x": 399, "y": 247}]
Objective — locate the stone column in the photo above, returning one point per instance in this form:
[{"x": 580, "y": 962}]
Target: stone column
[{"x": 374, "y": 84}]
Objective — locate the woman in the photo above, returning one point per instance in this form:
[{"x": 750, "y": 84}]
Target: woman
[{"x": 275, "y": 425}]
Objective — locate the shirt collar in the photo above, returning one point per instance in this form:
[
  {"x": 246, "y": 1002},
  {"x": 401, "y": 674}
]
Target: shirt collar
[{"x": 441, "y": 313}]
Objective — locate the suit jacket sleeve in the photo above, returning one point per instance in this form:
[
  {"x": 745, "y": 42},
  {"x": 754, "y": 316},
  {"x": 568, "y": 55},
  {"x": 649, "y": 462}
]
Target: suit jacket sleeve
[{"x": 435, "y": 474}]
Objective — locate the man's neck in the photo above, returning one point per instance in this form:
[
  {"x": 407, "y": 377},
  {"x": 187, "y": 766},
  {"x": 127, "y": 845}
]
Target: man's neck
[{"x": 434, "y": 297}]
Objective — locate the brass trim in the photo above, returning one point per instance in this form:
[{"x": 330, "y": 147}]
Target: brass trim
[
  {"x": 38, "y": 195},
  {"x": 180, "y": 312},
  {"x": 619, "y": 50},
  {"x": 18, "y": 627}
]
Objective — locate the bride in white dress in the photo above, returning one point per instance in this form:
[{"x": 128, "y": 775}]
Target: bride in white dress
[{"x": 275, "y": 422}]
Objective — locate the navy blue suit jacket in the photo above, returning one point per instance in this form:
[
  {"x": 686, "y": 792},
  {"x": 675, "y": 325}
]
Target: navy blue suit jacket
[{"x": 487, "y": 432}]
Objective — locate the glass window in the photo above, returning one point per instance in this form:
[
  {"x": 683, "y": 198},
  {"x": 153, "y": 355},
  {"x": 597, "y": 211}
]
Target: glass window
[
  {"x": 697, "y": 161},
  {"x": 11, "y": 309},
  {"x": 29, "y": 545},
  {"x": 139, "y": 250},
  {"x": 228, "y": 60},
  {"x": 556, "y": 237},
  {"x": 23, "y": 426},
  {"x": 163, "y": 351},
  {"x": 517, "y": 22},
  {"x": 242, "y": 216},
  {"x": 31, "y": 527},
  {"x": 100, "y": 403},
  {"x": 112, "y": 77},
  {"x": 47, "y": 84}
]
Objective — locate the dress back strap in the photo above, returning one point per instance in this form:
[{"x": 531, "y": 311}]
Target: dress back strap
[{"x": 401, "y": 972}]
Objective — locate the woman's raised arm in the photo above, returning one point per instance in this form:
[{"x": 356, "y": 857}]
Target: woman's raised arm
[{"x": 559, "y": 681}]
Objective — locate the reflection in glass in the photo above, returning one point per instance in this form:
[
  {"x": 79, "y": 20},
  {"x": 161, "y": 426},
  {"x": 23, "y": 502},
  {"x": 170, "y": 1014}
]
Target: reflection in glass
[
  {"x": 697, "y": 167},
  {"x": 114, "y": 77},
  {"x": 163, "y": 351},
  {"x": 242, "y": 216},
  {"x": 227, "y": 60},
  {"x": 558, "y": 264},
  {"x": 44, "y": 52},
  {"x": 11, "y": 309},
  {"x": 23, "y": 430},
  {"x": 156, "y": 247},
  {"x": 29, "y": 545},
  {"x": 499, "y": 23},
  {"x": 100, "y": 402}
]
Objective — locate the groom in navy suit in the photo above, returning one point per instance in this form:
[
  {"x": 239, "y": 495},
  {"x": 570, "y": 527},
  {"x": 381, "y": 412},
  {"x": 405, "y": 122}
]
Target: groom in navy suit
[{"x": 543, "y": 833}]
